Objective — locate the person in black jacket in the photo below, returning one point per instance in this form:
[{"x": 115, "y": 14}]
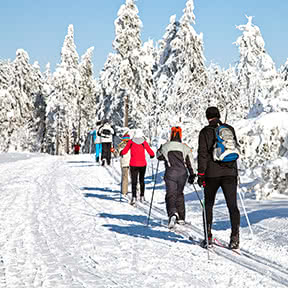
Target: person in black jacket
[
  {"x": 178, "y": 158},
  {"x": 212, "y": 175}
]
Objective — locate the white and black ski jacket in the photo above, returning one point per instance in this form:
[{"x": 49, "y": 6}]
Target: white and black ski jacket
[{"x": 178, "y": 158}]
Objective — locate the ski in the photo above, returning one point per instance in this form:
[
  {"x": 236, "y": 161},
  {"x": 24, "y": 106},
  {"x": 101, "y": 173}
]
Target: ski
[{"x": 220, "y": 244}]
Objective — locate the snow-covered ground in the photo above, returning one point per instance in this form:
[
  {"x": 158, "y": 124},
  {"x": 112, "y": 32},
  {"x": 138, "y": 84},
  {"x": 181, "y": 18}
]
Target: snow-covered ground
[{"x": 63, "y": 224}]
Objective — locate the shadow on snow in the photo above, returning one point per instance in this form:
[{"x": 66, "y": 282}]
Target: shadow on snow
[
  {"x": 115, "y": 197},
  {"x": 141, "y": 230}
]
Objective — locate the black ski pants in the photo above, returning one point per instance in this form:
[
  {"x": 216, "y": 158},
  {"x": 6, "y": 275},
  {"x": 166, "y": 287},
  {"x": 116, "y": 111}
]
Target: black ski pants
[
  {"x": 135, "y": 173},
  {"x": 106, "y": 152},
  {"x": 174, "y": 198},
  {"x": 229, "y": 188}
]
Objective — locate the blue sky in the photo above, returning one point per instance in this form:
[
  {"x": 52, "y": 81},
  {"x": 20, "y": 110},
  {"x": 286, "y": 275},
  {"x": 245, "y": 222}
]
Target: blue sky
[{"x": 40, "y": 26}]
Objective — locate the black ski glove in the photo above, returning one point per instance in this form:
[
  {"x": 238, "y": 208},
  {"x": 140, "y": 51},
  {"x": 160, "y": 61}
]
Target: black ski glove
[
  {"x": 191, "y": 178},
  {"x": 201, "y": 180}
]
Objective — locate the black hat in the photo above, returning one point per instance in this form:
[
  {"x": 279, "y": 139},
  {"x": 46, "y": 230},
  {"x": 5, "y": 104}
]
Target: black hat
[{"x": 212, "y": 112}]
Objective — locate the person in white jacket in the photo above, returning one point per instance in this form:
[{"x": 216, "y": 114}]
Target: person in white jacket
[
  {"x": 124, "y": 162},
  {"x": 106, "y": 132}
]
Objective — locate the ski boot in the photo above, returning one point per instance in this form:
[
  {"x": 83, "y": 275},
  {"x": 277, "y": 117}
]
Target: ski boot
[
  {"x": 172, "y": 221},
  {"x": 133, "y": 201},
  {"x": 234, "y": 242}
]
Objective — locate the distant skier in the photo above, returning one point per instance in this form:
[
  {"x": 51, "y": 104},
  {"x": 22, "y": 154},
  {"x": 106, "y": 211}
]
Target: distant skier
[
  {"x": 178, "y": 158},
  {"x": 137, "y": 147},
  {"x": 106, "y": 132},
  {"x": 124, "y": 162},
  {"x": 215, "y": 174},
  {"x": 97, "y": 141},
  {"x": 76, "y": 148}
]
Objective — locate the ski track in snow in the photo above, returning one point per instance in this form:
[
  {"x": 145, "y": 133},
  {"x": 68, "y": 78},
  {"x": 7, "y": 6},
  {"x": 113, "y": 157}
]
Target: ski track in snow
[{"x": 62, "y": 224}]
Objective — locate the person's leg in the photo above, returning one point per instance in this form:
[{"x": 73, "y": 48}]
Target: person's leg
[
  {"x": 134, "y": 176},
  {"x": 210, "y": 190},
  {"x": 108, "y": 157},
  {"x": 125, "y": 172},
  {"x": 104, "y": 152},
  {"x": 170, "y": 197},
  {"x": 180, "y": 201},
  {"x": 229, "y": 187},
  {"x": 97, "y": 150},
  {"x": 142, "y": 171}
]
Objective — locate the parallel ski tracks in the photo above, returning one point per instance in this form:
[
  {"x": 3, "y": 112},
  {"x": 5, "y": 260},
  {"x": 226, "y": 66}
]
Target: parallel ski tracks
[
  {"x": 248, "y": 260},
  {"x": 253, "y": 262}
]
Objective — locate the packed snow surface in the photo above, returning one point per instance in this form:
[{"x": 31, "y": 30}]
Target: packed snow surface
[{"x": 64, "y": 224}]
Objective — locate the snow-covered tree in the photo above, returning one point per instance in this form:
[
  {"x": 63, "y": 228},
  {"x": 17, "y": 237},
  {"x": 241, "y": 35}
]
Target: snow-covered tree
[
  {"x": 87, "y": 98},
  {"x": 135, "y": 78},
  {"x": 62, "y": 109},
  {"x": 256, "y": 69},
  {"x": 111, "y": 96},
  {"x": 182, "y": 74}
]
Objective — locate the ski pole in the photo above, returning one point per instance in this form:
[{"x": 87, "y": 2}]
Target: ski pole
[
  {"x": 152, "y": 171},
  {"x": 205, "y": 226},
  {"x": 198, "y": 195},
  {"x": 153, "y": 193},
  {"x": 244, "y": 209},
  {"x": 204, "y": 218},
  {"x": 121, "y": 186}
]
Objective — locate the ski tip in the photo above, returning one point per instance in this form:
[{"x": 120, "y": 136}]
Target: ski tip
[{"x": 237, "y": 251}]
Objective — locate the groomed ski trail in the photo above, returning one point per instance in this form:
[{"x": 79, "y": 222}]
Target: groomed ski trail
[
  {"x": 259, "y": 264},
  {"x": 63, "y": 225}
]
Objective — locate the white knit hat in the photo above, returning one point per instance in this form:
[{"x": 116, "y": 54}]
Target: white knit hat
[{"x": 138, "y": 133}]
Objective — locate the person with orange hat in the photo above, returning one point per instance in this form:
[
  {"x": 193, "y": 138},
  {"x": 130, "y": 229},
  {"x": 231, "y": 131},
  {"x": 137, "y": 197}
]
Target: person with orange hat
[
  {"x": 124, "y": 162},
  {"x": 178, "y": 159}
]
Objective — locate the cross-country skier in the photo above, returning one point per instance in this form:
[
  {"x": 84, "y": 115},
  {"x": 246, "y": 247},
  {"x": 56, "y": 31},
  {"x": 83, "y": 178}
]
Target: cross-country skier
[
  {"x": 178, "y": 159},
  {"x": 97, "y": 141},
  {"x": 215, "y": 174},
  {"x": 106, "y": 132},
  {"x": 137, "y": 147}
]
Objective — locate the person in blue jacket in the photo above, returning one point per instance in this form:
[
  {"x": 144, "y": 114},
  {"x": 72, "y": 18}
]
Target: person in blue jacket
[{"x": 97, "y": 141}]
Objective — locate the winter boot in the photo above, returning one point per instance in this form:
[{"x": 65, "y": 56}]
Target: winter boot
[
  {"x": 142, "y": 199},
  {"x": 172, "y": 221},
  {"x": 234, "y": 242},
  {"x": 133, "y": 201},
  {"x": 97, "y": 159}
]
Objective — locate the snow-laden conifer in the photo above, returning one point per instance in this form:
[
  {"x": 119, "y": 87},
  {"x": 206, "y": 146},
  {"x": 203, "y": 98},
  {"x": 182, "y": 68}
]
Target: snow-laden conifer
[
  {"x": 185, "y": 68},
  {"x": 87, "y": 100},
  {"x": 135, "y": 71},
  {"x": 256, "y": 70},
  {"x": 62, "y": 105}
]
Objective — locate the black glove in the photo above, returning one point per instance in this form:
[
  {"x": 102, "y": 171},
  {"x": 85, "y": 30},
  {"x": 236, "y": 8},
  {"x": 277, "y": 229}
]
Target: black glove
[
  {"x": 151, "y": 157},
  {"x": 191, "y": 178},
  {"x": 201, "y": 180}
]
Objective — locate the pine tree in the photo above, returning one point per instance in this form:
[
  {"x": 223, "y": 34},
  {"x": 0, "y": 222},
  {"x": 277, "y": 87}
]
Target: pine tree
[
  {"x": 7, "y": 104},
  {"x": 87, "y": 99},
  {"x": 62, "y": 107},
  {"x": 256, "y": 70},
  {"x": 182, "y": 76},
  {"x": 135, "y": 83},
  {"x": 110, "y": 95}
]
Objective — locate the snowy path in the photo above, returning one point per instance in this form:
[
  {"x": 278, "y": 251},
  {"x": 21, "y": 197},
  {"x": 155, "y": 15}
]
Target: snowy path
[{"x": 62, "y": 225}]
